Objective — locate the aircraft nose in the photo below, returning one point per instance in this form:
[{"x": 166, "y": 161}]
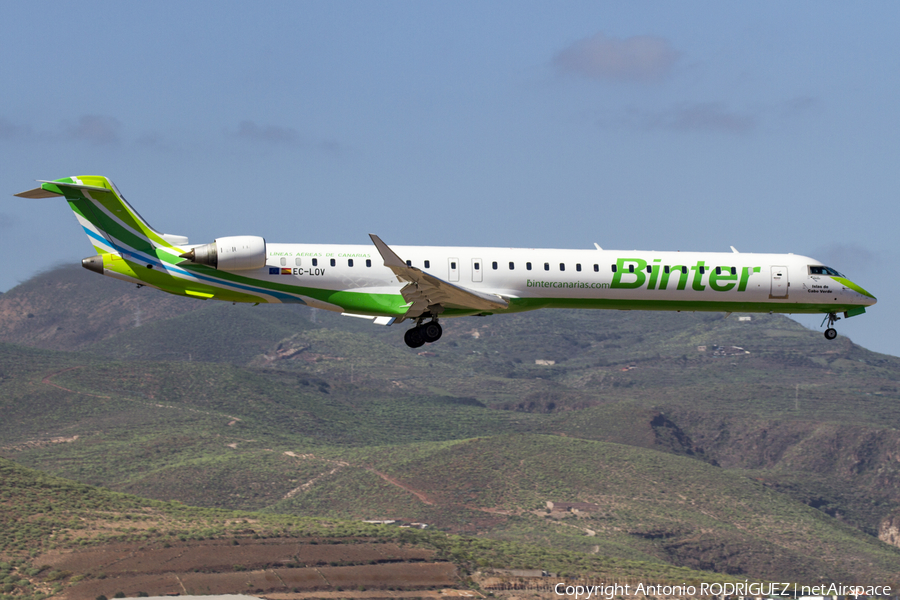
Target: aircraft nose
[{"x": 866, "y": 299}]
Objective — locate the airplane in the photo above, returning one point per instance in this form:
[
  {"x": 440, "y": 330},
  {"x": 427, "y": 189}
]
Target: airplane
[{"x": 423, "y": 284}]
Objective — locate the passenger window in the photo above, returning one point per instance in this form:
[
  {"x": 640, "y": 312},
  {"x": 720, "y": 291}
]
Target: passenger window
[
  {"x": 702, "y": 270},
  {"x": 718, "y": 270},
  {"x": 427, "y": 264},
  {"x": 578, "y": 266},
  {"x": 297, "y": 261},
  {"x": 409, "y": 263},
  {"x": 453, "y": 266},
  {"x": 684, "y": 270},
  {"x": 512, "y": 266},
  {"x": 283, "y": 261},
  {"x": 546, "y": 266},
  {"x": 528, "y": 266},
  {"x": 596, "y": 268},
  {"x": 649, "y": 268},
  {"x": 315, "y": 262},
  {"x": 332, "y": 262},
  {"x": 666, "y": 269},
  {"x": 631, "y": 268},
  {"x": 494, "y": 265},
  {"x": 368, "y": 262},
  {"x": 734, "y": 270},
  {"x": 477, "y": 266},
  {"x": 562, "y": 266},
  {"x": 349, "y": 262},
  {"x": 614, "y": 268}
]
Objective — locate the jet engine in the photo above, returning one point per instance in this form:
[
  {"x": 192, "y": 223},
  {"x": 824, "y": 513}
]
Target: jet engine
[{"x": 233, "y": 253}]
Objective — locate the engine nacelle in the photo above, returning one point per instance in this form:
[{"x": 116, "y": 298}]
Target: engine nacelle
[{"x": 233, "y": 253}]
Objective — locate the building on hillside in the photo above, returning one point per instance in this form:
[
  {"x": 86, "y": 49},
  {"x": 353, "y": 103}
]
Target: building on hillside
[{"x": 573, "y": 507}]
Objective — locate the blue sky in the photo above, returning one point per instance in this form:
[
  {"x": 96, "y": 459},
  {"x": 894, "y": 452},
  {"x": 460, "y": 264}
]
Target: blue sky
[{"x": 770, "y": 126}]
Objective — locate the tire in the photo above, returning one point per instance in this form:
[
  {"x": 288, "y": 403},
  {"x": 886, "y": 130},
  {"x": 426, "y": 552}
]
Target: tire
[
  {"x": 413, "y": 338},
  {"x": 830, "y": 333},
  {"x": 431, "y": 332}
]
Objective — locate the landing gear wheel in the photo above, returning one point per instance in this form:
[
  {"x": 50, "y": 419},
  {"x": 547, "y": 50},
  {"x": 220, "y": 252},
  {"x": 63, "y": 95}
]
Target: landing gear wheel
[
  {"x": 413, "y": 337},
  {"x": 832, "y": 318},
  {"x": 431, "y": 332}
]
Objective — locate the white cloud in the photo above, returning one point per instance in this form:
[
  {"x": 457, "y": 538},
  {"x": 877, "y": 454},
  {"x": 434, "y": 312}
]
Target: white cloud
[
  {"x": 10, "y": 130},
  {"x": 796, "y": 106},
  {"x": 95, "y": 129},
  {"x": 638, "y": 58},
  {"x": 269, "y": 134},
  {"x": 701, "y": 117},
  {"x": 274, "y": 135}
]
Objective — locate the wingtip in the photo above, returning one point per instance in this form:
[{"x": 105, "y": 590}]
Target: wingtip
[{"x": 390, "y": 257}]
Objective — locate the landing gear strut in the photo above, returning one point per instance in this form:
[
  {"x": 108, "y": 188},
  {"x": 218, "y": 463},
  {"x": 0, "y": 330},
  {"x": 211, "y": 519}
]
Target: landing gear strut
[
  {"x": 831, "y": 332},
  {"x": 423, "y": 333}
]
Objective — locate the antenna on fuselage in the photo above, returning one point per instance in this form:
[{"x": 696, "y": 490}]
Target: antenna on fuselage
[{"x": 597, "y": 246}]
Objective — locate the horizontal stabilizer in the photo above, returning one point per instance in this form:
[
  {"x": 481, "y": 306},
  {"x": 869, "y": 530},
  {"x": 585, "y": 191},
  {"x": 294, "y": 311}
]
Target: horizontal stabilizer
[
  {"x": 37, "y": 193},
  {"x": 48, "y": 191},
  {"x": 77, "y": 186}
]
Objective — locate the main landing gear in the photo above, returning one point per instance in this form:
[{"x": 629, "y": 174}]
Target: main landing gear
[
  {"x": 831, "y": 332},
  {"x": 423, "y": 333}
]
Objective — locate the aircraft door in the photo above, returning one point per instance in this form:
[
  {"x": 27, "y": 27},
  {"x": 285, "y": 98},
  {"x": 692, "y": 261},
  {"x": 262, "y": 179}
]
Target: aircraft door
[
  {"x": 452, "y": 269},
  {"x": 476, "y": 269},
  {"x": 779, "y": 287}
]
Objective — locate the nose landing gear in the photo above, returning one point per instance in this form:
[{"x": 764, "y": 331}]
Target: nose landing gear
[
  {"x": 423, "y": 334},
  {"x": 831, "y": 332}
]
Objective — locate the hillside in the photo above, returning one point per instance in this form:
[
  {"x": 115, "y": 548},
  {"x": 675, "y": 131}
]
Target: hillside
[
  {"x": 68, "y": 308},
  {"x": 77, "y": 542},
  {"x": 297, "y": 411}
]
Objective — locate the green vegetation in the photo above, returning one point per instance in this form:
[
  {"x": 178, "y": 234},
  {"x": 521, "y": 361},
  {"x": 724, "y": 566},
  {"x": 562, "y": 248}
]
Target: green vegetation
[
  {"x": 41, "y": 513},
  {"x": 776, "y": 460}
]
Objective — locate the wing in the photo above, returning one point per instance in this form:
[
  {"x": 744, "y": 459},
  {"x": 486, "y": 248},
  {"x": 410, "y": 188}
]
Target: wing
[{"x": 427, "y": 293}]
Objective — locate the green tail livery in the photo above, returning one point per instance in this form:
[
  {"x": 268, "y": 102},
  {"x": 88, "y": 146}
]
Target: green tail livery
[{"x": 433, "y": 282}]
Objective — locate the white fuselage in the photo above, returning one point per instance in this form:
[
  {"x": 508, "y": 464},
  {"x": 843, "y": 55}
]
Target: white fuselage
[{"x": 556, "y": 277}]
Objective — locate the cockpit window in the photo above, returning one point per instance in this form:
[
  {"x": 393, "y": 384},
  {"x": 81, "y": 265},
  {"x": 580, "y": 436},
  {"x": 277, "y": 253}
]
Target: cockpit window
[{"x": 819, "y": 270}]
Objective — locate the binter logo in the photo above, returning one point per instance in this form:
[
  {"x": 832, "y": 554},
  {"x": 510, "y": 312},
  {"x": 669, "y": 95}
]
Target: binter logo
[{"x": 633, "y": 273}]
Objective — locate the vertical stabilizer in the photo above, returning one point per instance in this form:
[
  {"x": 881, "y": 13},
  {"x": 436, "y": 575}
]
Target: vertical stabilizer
[{"x": 111, "y": 224}]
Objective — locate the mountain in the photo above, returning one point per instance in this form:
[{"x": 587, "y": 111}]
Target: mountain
[
  {"x": 656, "y": 425},
  {"x": 68, "y": 308}
]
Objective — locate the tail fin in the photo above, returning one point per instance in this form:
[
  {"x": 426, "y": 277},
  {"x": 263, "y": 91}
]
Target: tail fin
[{"x": 111, "y": 224}]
